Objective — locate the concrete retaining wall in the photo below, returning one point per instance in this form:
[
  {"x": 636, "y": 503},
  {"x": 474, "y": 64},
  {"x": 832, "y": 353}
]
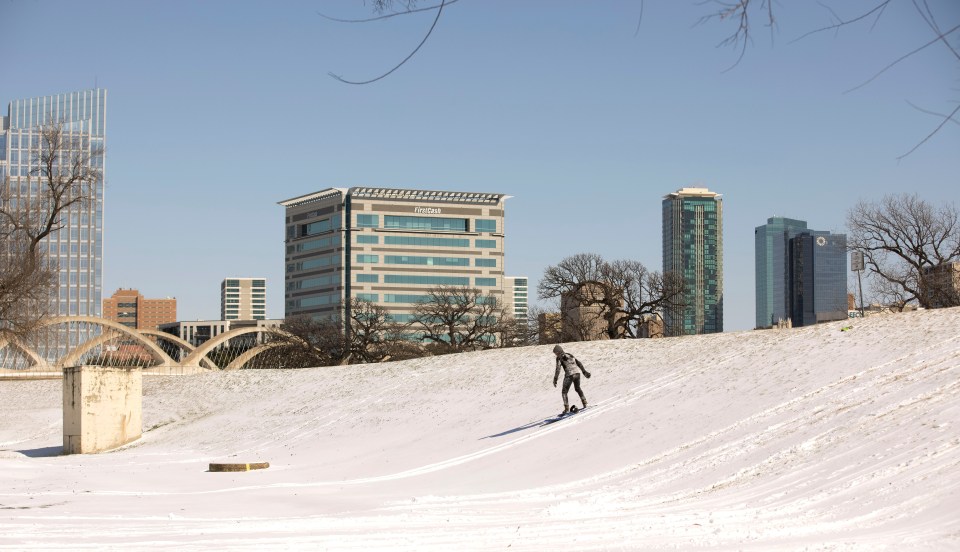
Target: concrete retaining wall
[{"x": 102, "y": 408}]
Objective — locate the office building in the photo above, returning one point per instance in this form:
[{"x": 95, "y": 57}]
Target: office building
[
  {"x": 77, "y": 248},
  {"x": 817, "y": 263},
  {"x": 515, "y": 296},
  {"x": 389, "y": 246},
  {"x": 693, "y": 249},
  {"x": 771, "y": 243},
  {"x": 801, "y": 274},
  {"x": 941, "y": 284},
  {"x": 130, "y": 308},
  {"x": 243, "y": 299}
]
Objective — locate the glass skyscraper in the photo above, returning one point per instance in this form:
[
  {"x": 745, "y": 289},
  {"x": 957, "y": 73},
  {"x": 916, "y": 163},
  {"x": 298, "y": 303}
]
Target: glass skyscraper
[
  {"x": 770, "y": 242},
  {"x": 801, "y": 274},
  {"x": 817, "y": 277},
  {"x": 693, "y": 248},
  {"x": 77, "y": 248}
]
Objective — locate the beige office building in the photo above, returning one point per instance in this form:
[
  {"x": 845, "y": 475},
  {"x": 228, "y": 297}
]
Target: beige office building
[
  {"x": 389, "y": 246},
  {"x": 243, "y": 299}
]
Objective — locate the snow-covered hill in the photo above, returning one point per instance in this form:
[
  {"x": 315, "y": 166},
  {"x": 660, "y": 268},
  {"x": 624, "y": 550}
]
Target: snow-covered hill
[{"x": 811, "y": 438}]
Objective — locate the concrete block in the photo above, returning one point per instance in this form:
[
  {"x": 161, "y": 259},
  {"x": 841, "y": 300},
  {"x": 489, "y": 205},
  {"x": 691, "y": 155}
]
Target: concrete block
[{"x": 102, "y": 408}]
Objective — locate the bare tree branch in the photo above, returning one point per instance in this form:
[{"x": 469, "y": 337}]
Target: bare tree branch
[
  {"x": 931, "y": 21},
  {"x": 415, "y": 50},
  {"x": 844, "y": 22},
  {"x": 932, "y": 132},
  {"x": 740, "y": 11},
  {"x": 639, "y": 19},
  {"x": 940, "y": 36},
  {"x": 410, "y": 9},
  {"x": 934, "y": 113}
]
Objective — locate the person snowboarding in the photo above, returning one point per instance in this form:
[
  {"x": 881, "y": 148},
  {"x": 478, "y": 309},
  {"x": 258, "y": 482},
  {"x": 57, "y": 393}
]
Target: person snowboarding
[{"x": 571, "y": 369}]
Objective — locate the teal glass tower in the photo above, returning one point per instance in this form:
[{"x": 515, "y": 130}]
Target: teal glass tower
[
  {"x": 77, "y": 248},
  {"x": 693, "y": 248},
  {"x": 771, "y": 243}
]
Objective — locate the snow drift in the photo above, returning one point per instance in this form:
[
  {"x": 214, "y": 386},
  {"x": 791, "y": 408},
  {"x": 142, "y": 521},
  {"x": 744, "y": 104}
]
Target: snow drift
[{"x": 809, "y": 438}]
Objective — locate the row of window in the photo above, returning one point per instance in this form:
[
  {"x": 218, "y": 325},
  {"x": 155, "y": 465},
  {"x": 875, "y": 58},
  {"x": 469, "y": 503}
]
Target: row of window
[
  {"x": 236, "y": 284},
  {"x": 427, "y": 261},
  {"x": 366, "y": 239},
  {"x": 425, "y": 242},
  {"x": 318, "y": 262},
  {"x": 410, "y": 279},
  {"x": 26, "y": 170},
  {"x": 312, "y": 245},
  {"x": 326, "y": 280},
  {"x": 314, "y": 301},
  {"x": 436, "y": 224},
  {"x": 410, "y": 298},
  {"x": 320, "y": 226}
]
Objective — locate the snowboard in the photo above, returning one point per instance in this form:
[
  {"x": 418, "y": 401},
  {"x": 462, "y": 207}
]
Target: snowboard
[{"x": 573, "y": 410}]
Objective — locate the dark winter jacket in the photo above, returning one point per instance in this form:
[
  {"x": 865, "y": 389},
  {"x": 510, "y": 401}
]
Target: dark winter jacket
[{"x": 570, "y": 365}]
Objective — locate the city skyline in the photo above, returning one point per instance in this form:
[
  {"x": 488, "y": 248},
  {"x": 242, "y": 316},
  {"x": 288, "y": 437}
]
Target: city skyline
[{"x": 584, "y": 119}]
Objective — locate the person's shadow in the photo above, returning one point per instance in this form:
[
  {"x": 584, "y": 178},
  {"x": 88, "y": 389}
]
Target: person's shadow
[{"x": 531, "y": 425}]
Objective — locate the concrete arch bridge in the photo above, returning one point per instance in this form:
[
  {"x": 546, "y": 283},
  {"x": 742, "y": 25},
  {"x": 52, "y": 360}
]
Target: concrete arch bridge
[{"x": 96, "y": 340}]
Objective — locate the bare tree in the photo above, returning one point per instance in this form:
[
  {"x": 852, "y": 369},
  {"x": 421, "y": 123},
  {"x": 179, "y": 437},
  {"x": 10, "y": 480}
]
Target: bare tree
[
  {"x": 63, "y": 178},
  {"x": 374, "y": 336},
  {"x": 454, "y": 319},
  {"x": 620, "y": 293},
  {"x": 306, "y": 343},
  {"x": 644, "y": 293},
  {"x": 518, "y": 332},
  {"x": 546, "y": 322},
  {"x": 908, "y": 245}
]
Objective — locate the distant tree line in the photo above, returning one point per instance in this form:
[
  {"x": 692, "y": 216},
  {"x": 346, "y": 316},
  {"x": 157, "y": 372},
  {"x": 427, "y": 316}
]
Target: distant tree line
[{"x": 450, "y": 319}]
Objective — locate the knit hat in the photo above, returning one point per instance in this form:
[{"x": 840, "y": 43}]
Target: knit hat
[{"x": 557, "y": 350}]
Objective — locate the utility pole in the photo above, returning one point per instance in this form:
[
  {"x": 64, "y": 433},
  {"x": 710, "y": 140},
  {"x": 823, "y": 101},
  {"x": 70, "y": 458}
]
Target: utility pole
[{"x": 856, "y": 264}]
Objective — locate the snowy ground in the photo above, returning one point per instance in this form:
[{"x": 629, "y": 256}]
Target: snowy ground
[{"x": 802, "y": 439}]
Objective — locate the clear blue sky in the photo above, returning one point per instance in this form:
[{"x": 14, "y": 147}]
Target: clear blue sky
[{"x": 218, "y": 110}]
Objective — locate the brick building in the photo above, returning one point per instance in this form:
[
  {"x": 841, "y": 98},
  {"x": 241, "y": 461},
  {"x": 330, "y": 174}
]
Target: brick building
[{"x": 130, "y": 308}]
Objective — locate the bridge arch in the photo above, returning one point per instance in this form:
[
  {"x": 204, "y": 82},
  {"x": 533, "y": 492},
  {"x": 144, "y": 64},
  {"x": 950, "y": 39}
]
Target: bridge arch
[
  {"x": 38, "y": 362},
  {"x": 183, "y": 343},
  {"x": 150, "y": 340},
  {"x": 156, "y": 352},
  {"x": 213, "y": 343}
]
